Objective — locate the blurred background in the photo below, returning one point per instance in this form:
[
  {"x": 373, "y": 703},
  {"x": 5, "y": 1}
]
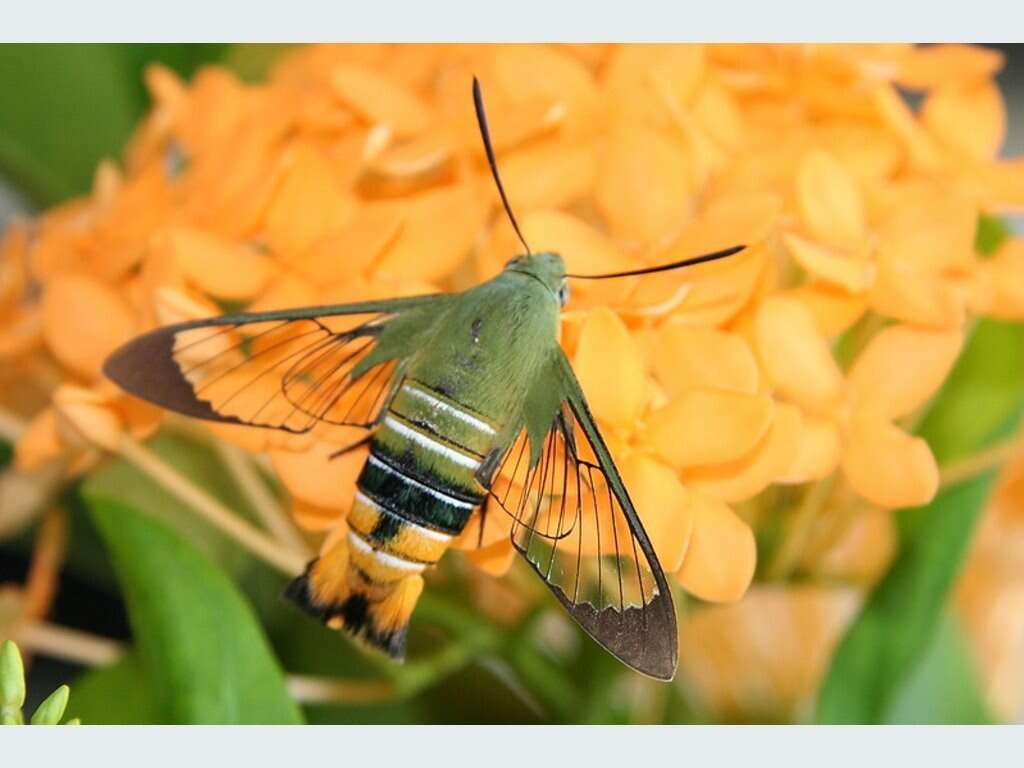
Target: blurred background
[{"x": 64, "y": 109}]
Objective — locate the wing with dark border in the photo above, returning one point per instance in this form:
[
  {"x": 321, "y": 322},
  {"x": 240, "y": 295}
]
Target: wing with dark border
[
  {"x": 290, "y": 370},
  {"x": 574, "y": 523}
]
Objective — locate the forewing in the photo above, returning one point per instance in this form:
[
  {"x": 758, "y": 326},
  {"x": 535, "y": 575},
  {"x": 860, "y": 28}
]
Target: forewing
[
  {"x": 287, "y": 370},
  {"x": 573, "y": 522}
]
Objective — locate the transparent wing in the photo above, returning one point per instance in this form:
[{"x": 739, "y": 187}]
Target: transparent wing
[
  {"x": 573, "y": 522},
  {"x": 283, "y": 370}
]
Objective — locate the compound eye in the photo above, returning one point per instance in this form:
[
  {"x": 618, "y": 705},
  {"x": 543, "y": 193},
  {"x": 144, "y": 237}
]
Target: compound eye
[{"x": 563, "y": 293}]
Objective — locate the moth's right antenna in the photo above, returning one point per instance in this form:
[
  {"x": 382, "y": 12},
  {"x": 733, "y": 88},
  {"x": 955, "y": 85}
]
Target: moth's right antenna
[{"x": 481, "y": 119}]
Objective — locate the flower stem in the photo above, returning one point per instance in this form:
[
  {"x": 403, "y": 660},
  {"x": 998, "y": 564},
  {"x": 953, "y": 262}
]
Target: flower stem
[
  {"x": 964, "y": 469},
  {"x": 287, "y": 561},
  {"x": 800, "y": 527},
  {"x": 47, "y": 559},
  {"x": 68, "y": 644},
  {"x": 322, "y": 690},
  {"x": 11, "y": 426},
  {"x": 263, "y": 502},
  {"x": 94, "y": 651}
]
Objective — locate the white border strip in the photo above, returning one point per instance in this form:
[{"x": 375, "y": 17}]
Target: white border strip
[
  {"x": 441, "y": 405},
  {"x": 431, "y": 444},
  {"x": 526, "y": 20},
  {"x": 385, "y": 558}
]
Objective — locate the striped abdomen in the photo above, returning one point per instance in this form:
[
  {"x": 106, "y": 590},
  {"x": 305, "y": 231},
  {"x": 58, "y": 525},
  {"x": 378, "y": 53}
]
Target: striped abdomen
[{"x": 415, "y": 493}]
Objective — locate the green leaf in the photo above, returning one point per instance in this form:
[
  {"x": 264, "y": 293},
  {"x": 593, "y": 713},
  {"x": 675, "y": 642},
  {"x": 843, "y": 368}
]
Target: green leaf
[
  {"x": 12, "y": 684},
  {"x": 67, "y": 107},
  {"x": 992, "y": 231},
  {"x": 52, "y": 709},
  {"x": 116, "y": 695},
  {"x": 944, "y": 687},
  {"x": 64, "y": 107},
  {"x": 203, "y": 652},
  {"x": 199, "y": 462},
  {"x": 980, "y": 403}
]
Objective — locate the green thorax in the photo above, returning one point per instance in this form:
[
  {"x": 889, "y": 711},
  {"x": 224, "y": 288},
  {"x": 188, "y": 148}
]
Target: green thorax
[{"x": 486, "y": 348}]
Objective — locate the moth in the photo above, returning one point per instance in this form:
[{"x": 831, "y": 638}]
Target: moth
[{"x": 470, "y": 409}]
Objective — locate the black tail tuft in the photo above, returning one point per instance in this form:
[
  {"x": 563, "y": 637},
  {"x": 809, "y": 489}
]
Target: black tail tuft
[
  {"x": 381, "y": 622},
  {"x": 298, "y": 592}
]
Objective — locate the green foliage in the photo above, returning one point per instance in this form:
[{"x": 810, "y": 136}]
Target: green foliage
[
  {"x": 12, "y": 692},
  {"x": 121, "y": 480},
  {"x": 202, "y": 650},
  {"x": 12, "y": 684},
  {"x": 116, "y": 695},
  {"x": 886, "y": 648},
  {"x": 66, "y": 107},
  {"x": 943, "y": 686},
  {"x": 992, "y": 231}
]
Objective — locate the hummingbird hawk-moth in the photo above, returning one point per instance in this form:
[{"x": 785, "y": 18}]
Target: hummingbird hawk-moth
[{"x": 470, "y": 408}]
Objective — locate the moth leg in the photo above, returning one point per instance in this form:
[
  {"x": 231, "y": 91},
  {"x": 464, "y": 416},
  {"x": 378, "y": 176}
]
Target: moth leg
[
  {"x": 396, "y": 384},
  {"x": 364, "y": 440},
  {"x": 483, "y": 522}
]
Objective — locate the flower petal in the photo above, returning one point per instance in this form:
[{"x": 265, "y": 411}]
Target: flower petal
[
  {"x": 310, "y": 517},
  {"x": 687, "y": 357},
  {"x": 84, "y": 320},
  {"x": 494, "y": 559},
  {"x": 286, "y": 292},
  {"x": 897, "y": 116},
  {"x": 1006, "y": 269},
  {"x": 352, "y": 248},
  {"x": 722, "y": 555},
  {"x": 708, "y": 426},
  {"x": 419, "y": 160},
  {"x": 852, "y": 272},
  {"x": 887, "y": 466},
  {"x": 830, "y": 202},
  {"x": 645, "y": 185},
  {"x": 927, "y": 229},
  {"x": 216, "y": 265},
  {"x": 311, "y": 476},
  {"x": 309, "y": 203},
  {"x": 902, "y": 368},
  {"x": 867, "y": 151},
  {"x": 584, "y": 248},
  {"x": 817, "y": 454},
  {"x": 749, "y": 475},
  {"x": 497, "y": 525},
  {"x": 925, "y": 299},
  {"x": 84, "y": 420},
  {"x": 530, "y": 72},
  {"x": 929, "y": 66},
  {"x": 610, "y": 369},
  {"x": 379, "y": 99},
  {"x": 549, "y": 174},
  {"x": 39, "y": 442},
  {"x": 663, "y": 506},
  {"x": 438, "y": 233},
  {"x": 834, "y": 309},
  {"x": 970, "y": 118},
  {"x": 862, "y": 553},
  {"x": 713, "y": 293},
  {"x": 796, "y": 356}
]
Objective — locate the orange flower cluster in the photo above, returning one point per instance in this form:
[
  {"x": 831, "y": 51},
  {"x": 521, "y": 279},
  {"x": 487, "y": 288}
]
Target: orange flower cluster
[{"x": 357, "y": 171}]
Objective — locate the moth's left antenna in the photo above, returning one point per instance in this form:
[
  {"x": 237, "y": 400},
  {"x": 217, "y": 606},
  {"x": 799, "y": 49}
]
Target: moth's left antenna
[{"x": 481, "y": 119}]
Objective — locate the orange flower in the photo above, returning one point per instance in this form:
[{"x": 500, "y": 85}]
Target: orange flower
[
  {"x": 990, "y": 595},
  {"x": 356, "y": 172}
]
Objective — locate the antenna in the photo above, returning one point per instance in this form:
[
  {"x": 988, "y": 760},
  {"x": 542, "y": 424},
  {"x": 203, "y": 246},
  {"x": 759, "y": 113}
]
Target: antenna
[
  {"x": 481, "y": 119},
  {"x": 665, "y": 267}
]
